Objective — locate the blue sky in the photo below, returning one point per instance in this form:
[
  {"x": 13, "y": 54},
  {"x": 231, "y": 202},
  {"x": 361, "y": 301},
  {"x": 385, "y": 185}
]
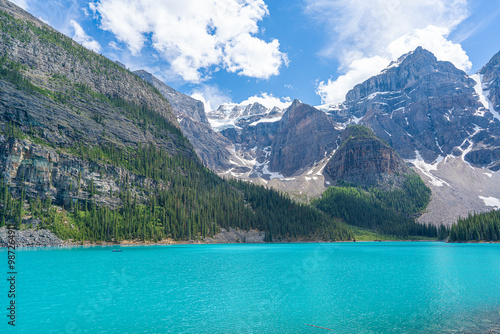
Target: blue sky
[{"x": 274, "y": 51}]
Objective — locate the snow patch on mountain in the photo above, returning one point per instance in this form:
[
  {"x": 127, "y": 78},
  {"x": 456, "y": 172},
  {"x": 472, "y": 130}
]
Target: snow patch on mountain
[
  {"x": 266, "y": 120},
  {"x": 426, "y": 169},
  {"x": 481, "y": 90},
  {"x": 228, "y": 115},
  {"x": 491, "y": 201}
]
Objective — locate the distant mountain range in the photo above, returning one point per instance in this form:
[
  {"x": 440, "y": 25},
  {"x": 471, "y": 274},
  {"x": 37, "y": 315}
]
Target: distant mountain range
[{"x": 441, "y": 121}]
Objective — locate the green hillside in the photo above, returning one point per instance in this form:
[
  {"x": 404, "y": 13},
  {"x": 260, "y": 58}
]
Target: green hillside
[{"x": 384, "y": 212}]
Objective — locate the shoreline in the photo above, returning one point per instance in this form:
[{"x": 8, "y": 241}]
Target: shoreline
[
  {"x": 191, "y": 242},
  {"x": 32, "y": 238}
]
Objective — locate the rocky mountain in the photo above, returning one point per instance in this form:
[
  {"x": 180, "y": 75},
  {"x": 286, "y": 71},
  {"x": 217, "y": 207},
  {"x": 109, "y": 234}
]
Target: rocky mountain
[
  {"x": 94, "y": 153},
  {"x": 235, "y": 115},
  {"x": 425, "y": 108},
  {"x": 250, "y": 128},
  {"x": 275, "y": 144},
  {"x": 363, "y": 159},
  {"x": 210, "y": 146},
  {"x": 437, "y": 118},
  {"x": 294, "y": 149}
]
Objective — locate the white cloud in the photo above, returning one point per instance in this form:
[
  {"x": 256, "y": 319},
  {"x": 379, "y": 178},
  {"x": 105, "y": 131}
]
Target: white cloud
[
  {"x": 435, "y": 40},
  {"x": 195, "y": 35},
  {"x": 253, "y": 57},
  {"x": 359, "y": 70},
  {"x": 364, "y": 32},
  {"x": 114, "y": 46},
  {"x": 268, "y": 101},
  {"x": 81, "y": 37},
  {"x": 211, "y": 96},
  {"x": 21, "y": 3}
]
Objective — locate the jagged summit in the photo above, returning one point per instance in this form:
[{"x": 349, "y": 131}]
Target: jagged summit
[
  {"x": 398, "y": 62},
  {"x": 412, "y": 68},
  {"x": 234, "y": 115}
]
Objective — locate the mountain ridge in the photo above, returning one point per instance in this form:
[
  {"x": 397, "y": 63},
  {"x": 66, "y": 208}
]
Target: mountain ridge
[{"x": 210, "y": 146}]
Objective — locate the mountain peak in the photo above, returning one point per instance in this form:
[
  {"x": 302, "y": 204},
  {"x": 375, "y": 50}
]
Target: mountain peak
[{"x": 420, "y": 54}]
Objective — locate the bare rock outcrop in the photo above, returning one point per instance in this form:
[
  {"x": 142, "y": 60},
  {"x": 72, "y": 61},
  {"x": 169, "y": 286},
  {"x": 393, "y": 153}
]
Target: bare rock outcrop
[
  {"x": 305, "y": 135},
  {"x": 43, "y": 172},
  {"x": 31, "y": 238},
  {"x": 363, "y": 159}
]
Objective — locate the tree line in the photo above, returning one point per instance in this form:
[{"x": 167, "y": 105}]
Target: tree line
[{"x": 477, "y": 227}]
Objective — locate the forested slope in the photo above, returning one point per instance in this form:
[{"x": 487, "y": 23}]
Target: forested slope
[
  {"x": 92, "y": 152},
  {"x": 387, "y": 212}
]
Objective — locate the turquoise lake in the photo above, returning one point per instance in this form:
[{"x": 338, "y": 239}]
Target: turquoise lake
[{"x": 371, "y": 287}]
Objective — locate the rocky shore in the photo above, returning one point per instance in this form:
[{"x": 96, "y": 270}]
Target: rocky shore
[
  {"x": 45, "y": 238},
  {"x": 32, "y": 238},
  {"x": 237, "y": 236}
]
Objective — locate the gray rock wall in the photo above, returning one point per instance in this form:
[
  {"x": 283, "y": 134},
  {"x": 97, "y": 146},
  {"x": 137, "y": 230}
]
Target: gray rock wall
[{"x": 43, "y": 172}]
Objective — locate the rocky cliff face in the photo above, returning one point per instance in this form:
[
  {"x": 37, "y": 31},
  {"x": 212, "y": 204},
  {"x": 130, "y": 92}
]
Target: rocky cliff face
[
  {"x": 305, "y": 135},
  {"x": 210, "y": 146},
  {"x": 419, "y": 104},
  {"x": 486, "y": 151},
  {"x": 363, "y": 159},
  {"x": 491, "y": 81},
  {"x": 43, "y": 172}
]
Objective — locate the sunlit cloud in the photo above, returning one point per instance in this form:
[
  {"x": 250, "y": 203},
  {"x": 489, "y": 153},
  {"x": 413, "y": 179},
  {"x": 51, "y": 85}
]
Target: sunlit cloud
[
  {"x": 367, "y": 35},
  {"x": 195, "y": 36},
  {"x": 81, "y": 37}
]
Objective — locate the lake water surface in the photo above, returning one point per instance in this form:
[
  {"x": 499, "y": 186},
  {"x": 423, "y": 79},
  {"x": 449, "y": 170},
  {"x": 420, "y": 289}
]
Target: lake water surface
[{"x": 372, "y": 287}]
